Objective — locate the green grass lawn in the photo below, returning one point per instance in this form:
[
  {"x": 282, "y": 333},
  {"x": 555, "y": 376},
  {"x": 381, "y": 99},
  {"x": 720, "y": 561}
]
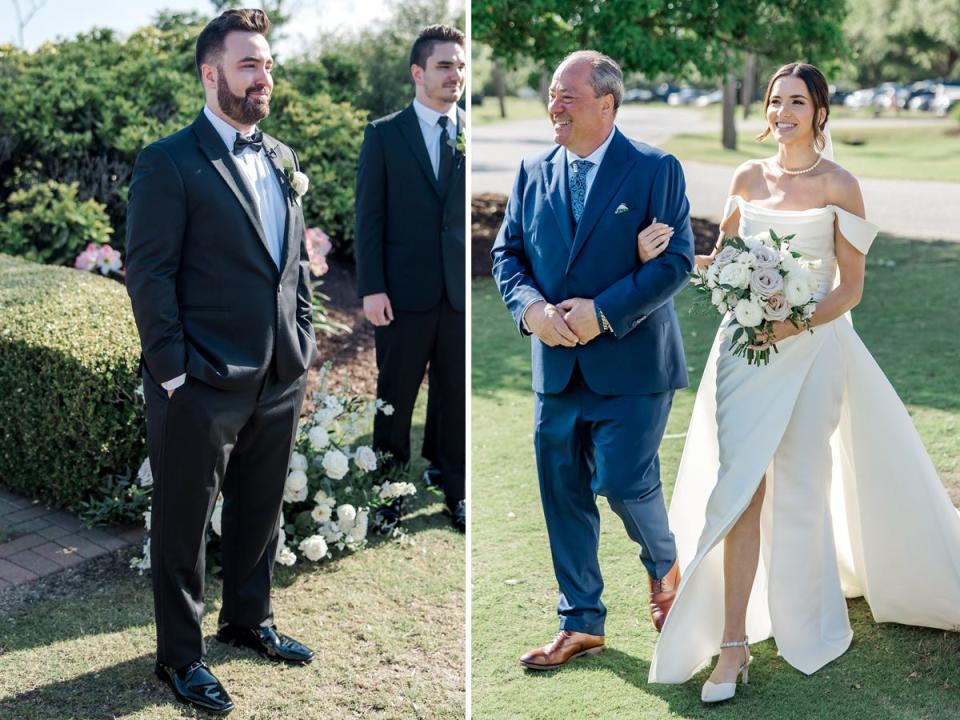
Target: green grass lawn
[
  {"x": 517, "y": 109},
  {"x": 921, "y": 153},
  {"x": 514, "y": 591},
  {"x": 387, "y": 625}
]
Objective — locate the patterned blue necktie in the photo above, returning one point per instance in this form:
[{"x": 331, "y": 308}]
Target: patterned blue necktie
[{"x": 578, "y": 186}]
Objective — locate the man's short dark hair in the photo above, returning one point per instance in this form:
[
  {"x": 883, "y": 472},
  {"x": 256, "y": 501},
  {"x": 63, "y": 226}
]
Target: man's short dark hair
[
  {"x": 430, "y": 36},
  {"x": 210, "y": 43}
]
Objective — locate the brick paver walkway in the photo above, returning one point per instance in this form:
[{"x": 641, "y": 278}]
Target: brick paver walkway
[{"x": 42, "y": 541}]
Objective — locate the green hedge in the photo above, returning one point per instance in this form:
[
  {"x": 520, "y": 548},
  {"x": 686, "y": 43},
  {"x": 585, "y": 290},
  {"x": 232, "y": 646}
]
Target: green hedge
[{"x": 69, "y": 415}]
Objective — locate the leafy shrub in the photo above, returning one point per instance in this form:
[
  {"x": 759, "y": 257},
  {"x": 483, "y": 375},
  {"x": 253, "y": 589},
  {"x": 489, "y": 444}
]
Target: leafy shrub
[
  {"x": 47, "y": 223},
  {"x": 68, "y": 360}
]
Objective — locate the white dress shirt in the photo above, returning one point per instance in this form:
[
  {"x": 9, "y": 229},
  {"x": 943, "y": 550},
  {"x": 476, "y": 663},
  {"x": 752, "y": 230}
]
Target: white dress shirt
[
  {"x": 596, "y": 157},
  {"x": 270, "y": 205},
  {"x": 430, "y": 127}
]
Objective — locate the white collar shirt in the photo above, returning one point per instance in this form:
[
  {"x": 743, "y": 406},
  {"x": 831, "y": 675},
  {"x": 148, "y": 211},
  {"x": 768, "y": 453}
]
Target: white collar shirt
[
  {"x": 431, "y": 130},
  {"x": 596, "y": 157},
  {"x": 261, "y": 177}
]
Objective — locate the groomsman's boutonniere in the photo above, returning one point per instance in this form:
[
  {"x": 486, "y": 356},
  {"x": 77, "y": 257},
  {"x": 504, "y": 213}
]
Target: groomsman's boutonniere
[
  {"x": 621, "y": 208},
  {"x": 459, "y": 143},
  {"x": 298, "y": 180}
]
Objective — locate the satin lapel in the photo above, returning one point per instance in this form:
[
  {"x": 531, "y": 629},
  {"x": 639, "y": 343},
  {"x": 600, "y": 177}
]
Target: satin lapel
[
  {"x": 272, "y": 147},
  {"x": 410, "y": 129},
  {"x": 223, "y": 163},
  {"x": 616, "y": 163},
  {"x": 558, "y": 196}
]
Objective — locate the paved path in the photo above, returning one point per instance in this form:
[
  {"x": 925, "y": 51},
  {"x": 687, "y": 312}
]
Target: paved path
[
  {"x": 909, "y": 208},
  {"x": 44, "y": 541}
]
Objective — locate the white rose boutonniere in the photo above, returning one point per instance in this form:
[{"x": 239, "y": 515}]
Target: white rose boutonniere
[{"x": 299, "y": 182}]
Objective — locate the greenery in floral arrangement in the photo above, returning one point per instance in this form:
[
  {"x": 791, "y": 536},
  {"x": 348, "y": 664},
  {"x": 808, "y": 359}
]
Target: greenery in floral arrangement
[
  {"x": 337, "y": 490},
  {"x": 68, "y": 376},
  {"x": 48, "y": 223}
]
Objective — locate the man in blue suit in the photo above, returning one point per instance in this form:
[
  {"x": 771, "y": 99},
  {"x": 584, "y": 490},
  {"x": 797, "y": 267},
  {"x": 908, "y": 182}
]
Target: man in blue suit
[{"x": 607, "y": 354}]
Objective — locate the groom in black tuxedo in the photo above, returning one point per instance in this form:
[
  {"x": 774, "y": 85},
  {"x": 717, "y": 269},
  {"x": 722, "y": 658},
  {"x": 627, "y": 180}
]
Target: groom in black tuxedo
[
  {"x": 410, "y": 247},
  {"x": 218, "y": 276}
]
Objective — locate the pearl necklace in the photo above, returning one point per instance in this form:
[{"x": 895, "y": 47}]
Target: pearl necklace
[{"x": 799, "y": 172}]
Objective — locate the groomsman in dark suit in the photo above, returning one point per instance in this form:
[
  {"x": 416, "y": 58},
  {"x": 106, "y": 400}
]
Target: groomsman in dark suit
[
  {"x": 218, "y": 276},
  {"x": 410, "y": 246}
]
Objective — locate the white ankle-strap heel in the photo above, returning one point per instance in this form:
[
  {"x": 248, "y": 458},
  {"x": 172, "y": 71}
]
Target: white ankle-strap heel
[{"x": 718, "y": 692}]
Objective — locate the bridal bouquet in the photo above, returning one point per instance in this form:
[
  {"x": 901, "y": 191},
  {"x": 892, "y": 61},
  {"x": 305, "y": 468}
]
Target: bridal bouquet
[{"x": 761, "y": 281}]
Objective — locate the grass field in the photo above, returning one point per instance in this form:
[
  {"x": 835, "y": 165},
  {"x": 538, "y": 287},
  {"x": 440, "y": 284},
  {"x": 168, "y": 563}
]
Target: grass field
[
  {"x": 890, "y": 672},
  {"x": 517, "y": 109},
  {"x": 387, "y": 625},
  {"x": 915, "y": 153}
]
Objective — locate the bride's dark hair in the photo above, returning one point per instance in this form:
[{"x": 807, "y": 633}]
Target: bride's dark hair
[{"x": 819, "y": 93}]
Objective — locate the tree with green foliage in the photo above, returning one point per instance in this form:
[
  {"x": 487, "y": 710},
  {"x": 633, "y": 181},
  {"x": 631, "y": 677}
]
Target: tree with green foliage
[
  {"x": 897, "y": 40},
  {"x": 78, "y": 112},
  {"x": 684, "y": 38}
]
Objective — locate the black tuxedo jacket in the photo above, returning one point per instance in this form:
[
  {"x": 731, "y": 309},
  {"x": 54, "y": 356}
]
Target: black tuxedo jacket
[
  {"x": 207, "y": 297},
  {"x": 410, "y": 231}
]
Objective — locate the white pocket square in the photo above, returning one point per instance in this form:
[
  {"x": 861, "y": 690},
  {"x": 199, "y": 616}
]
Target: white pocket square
[{"x": 621, "y": 208}]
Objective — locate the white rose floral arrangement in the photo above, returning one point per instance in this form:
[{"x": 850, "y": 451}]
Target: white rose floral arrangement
[
  {"x": 760, "y": 280},
  {"x": 335, "y": 492}
]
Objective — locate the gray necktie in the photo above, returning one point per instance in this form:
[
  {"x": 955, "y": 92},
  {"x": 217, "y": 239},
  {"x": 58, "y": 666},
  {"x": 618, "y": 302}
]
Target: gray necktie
[{"x": 578, "y": 186}]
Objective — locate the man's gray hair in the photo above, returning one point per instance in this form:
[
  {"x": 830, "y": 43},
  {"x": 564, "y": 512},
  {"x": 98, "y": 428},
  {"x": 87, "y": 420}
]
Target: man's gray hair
[{"x": 606, "y": 77}]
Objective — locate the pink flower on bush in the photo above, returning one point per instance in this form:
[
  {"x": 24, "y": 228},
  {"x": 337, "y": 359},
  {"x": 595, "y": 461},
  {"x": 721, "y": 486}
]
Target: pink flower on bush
[
  {"x": 318, "y": 245},
  {"x": 99, "y": 257}
]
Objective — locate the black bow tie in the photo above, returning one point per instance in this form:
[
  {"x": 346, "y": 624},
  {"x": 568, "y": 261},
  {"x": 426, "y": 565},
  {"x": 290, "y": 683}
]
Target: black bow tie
[{"x": 255, "y": 141}]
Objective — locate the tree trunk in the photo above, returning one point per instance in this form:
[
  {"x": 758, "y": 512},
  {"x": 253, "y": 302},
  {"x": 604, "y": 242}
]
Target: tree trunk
[
  {"x": 729, "y": 112},
  {"x": 749, "y": 80},
  {"x": 498, "y": 84}
]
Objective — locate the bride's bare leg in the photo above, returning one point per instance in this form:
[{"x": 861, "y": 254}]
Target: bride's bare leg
[{"x": 741, "y": 553}]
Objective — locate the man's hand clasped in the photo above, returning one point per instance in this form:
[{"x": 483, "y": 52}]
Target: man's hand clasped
[{"x": 568, "y": 324}]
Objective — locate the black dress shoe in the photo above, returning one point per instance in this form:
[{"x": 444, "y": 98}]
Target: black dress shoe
[
  {"x": 458, "y": 513},
  {"x": 195, "y": 684},
  {"x": 432, "y": 478},
  {"x": 268, "y": 642}
]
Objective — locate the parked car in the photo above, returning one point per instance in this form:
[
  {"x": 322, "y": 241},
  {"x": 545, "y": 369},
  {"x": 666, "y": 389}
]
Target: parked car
[
  {"x": 838, "y": 95},
  {"x": 638, "y": 95},
  {"x": 662, "y": 91},
  {"x": 860, "y": 98},
  {"x": 709, "y": 98},
  {"x": 947, "y": 95},
  {"x": 683, "y": 96}
]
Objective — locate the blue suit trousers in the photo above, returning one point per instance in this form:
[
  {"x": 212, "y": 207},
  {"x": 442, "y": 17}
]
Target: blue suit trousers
[{"x": 589, "y": 444}]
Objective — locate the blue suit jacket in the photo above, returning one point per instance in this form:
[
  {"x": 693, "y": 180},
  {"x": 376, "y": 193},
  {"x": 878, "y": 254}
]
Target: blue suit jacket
[{"x": 537, "y": 256}]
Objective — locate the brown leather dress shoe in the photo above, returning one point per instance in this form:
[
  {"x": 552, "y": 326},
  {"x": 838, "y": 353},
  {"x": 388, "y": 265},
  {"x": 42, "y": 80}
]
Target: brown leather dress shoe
[
  {"x": 662, "y": 594},
  {"x": 564, "y": 647}
]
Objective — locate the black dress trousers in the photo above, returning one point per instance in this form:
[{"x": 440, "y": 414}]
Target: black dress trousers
[
  {"x": 203, "y": 441},
  {"x": 404, "y": 349}
]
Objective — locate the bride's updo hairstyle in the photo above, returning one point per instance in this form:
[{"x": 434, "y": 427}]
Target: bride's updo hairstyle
[{"x": 819, "y": 93}]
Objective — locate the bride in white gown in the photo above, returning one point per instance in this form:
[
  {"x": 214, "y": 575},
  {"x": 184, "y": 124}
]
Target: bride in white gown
[{"x": 804, "y": 481}]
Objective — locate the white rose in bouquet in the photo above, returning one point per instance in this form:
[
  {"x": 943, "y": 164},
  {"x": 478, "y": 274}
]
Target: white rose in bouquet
[
  {"x": 285, "y": 555},
  {"x": 765, "y": 282},
  {"x": 788, "y": 262},
  {"x": 745, "y": 258},
  {"x": 321, "y": 514},
  {"x": 365, "y": 459},
  {"x": 358, "y": 533},
  {"x": 321, "y": 498},
  {"x": 331, "y": 532},
  {"x": 776, "y": 308},
  {"x": 295, "y": 488},
  {"x": 346, "y": 515},
  {"x": 391, "y": 490},
  {"x": 335, "y": 464},
  {"x": 765, "y": 257},
  {"x": 736, "y": 275},
  {"x": 726, "y": 256},
  {"x": 748, "y": 314},
  {"x": 313, "y": 547},
  {"x": 763, "y": 239},
  {"x": 319, "y": 438},
  {"x": 298, "y": 462},
  {"x": 798, "y": 288},
  {"x": 718, "y": 296}
]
